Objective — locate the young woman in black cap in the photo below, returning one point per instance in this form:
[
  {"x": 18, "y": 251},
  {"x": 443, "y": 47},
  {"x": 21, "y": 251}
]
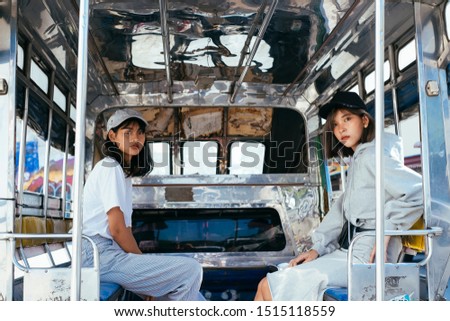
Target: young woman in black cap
[
  {"x": 107, "y": 210},
  {"x": 349, "y": 132}
]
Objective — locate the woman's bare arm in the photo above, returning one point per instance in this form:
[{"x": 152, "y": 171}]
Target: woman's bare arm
[{"x": 120, "y": 233}]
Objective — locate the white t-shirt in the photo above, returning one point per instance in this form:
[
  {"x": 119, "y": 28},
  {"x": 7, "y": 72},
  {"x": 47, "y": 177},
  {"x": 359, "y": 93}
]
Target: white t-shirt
[{"x": 105, "y": 188}]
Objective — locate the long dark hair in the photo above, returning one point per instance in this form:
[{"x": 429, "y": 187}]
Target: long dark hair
[
  {"x": 141, "y": 164},
  {"x": 333, "y": 147}
]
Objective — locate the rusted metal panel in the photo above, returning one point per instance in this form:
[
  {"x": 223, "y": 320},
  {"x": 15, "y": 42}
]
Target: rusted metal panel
[
  {"x": 201, "y": 122},
  {"x": 253, "y": 122}
]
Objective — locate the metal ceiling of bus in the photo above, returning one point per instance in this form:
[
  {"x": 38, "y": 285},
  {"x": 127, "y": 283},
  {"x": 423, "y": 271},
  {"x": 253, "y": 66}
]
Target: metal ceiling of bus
[
  {"x": 194, "y": 44},
  {"x": 197, "y": 53},
  {"x": 208, "y": 41}
]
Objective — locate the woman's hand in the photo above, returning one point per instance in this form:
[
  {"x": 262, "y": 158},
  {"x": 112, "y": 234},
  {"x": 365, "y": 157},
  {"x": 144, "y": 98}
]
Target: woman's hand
[
  {"x": 304, "y": 257},
  {"x": 373, "y": 254}
]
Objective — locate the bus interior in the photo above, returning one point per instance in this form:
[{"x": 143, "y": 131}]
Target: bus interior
[{"x": 231, "y": 92}]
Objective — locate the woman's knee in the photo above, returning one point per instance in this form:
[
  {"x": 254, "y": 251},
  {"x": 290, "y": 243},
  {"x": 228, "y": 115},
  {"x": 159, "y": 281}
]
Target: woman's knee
[
  {"x": 263, "y": 291},
  {"x": 263, "y": 285},
  {"x": 193, "y": 269}
]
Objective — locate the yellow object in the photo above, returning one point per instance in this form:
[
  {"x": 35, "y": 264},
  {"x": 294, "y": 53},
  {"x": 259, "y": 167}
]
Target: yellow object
[
  {"x": 32, "y": 225},
  {"x": 415, "y": 242}
]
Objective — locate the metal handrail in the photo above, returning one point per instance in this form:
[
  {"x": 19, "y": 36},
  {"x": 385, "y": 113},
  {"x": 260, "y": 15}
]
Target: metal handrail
[
  {"x": 166, "y": 45},
  {"x": 430, "y": 233},
  {"x": 250, "y": 35},
  {"x": 250, "y": 57},
  {"x": 80, "y": 139},
  {"x": 13, "y": 236}
]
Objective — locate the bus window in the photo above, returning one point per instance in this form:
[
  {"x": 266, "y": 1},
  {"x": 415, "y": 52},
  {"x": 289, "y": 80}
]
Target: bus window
[
  {"x": 39, "y": 76},
  {"x": 369, "y": 81},
  {"x": 390, "y": 129},
  {"x": 410, "y": 133},
  {"x": 447, "y": 20},
  {"x": 69, "y": 176},
  {"x": 56, "y": 172},
  {"x": 199, "y": 158},
  {"x": 354, "y": 89},
  {"x": 411, "y": 127},
  {"x": 59, "y": 98},
  {"x": 160, "y": 152},
  {"x": 73, "y": 113},
  {"x": 247, "y": 158},
  {"x": 19, "y": 124},
  {"x": 34, "y": 159},
  {"x": 20, "y": 57},
  {"x": 208, "y": 230},
  {"x": 407, "y": 55}
]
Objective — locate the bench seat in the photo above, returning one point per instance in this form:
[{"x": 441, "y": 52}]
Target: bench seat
[
  {"x": 336, "y": 294},
  {"x": 110, "y": 291}
]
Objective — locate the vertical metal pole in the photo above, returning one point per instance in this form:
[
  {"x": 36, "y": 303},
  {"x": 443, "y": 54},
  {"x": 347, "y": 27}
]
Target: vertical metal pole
[
  {"x": 47, "y": 162},
  {"x": 23, "y": 138},
  {"x": 392, "y": 64},
  {"x": 361, "y": 84},
  {"x": 47, "y": 171},
  {"x": 45, "y": 185},
  {"x": 64, "y": 173},
  {"x": 379, "y": 130},
  {"x": 176, "y": 154},
  {"x": 22, "y": 152},
  {"x": 79, "y": 149},
  {"x": 166, "y": 45},
  {"x": 8, "y": 41},
  {"x": 342, "y": 173}
]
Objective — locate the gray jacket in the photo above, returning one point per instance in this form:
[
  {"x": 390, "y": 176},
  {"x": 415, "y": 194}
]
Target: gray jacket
[{"x": 403, "y": 197}]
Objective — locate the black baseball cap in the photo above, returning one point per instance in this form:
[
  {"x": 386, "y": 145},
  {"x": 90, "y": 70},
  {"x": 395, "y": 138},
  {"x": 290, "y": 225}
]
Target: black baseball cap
[{"x": 346, "y": 99}]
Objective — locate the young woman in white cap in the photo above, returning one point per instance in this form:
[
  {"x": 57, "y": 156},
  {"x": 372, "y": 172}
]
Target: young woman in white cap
[
  {"x": 107, "y": 210},
  {"x": 349, "y": 132}
]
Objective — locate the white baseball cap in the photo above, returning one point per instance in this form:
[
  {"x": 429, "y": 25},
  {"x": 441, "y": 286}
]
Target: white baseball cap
[{"x": 122, "y": 115}]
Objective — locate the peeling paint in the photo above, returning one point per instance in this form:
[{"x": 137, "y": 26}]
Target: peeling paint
[
  {"x": 249, "y": 121},
  {"x": 201, "y": 122}
]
